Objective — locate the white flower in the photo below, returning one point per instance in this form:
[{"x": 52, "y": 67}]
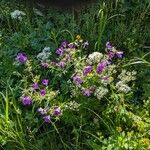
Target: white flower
[
  {"x": 134, "y": 72},
  {"x": 95, "y": 57},
  {"x": 17, "y": 14},
  {"x": 72, "y": 105},
  {"x": 46, "y": 50},
  {"x": 100, "y": 92},
  {"x": 122, "y": 87},
  {"x": 44, "y": 55},
  {"x": 127, "y": 76},
  {"x": 111, "y": 69}
]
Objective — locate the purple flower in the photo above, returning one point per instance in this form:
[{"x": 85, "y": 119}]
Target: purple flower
[
  {"x": 60, "y": 51},
  {"x": 35, "y": 86},
  {"x": 101, "y": 66},
  {"x": 26, "y": 100},
  {"x": 43, "y": 92},
  {"x": 61, "y": 64},
  {"x": 70, "y": 45},
  {"x": 87, "y": 92},
  {"x": 21, "y": 57},
  {"x": 64, "y": 44},
  {"x": 87, "y": 70},
  {"x": 47, "y": 119},
  {"x": 111, "y": 55},
  {"x": 108, "y": 45},
  {"x": 45, "y": 65},
  {"x": 119, "y": 54},
  {"x": 42, "y": 111},
  {"x": 108, "y": 62},
  {"x": 77, "y": 80},
  {"x": 57, "y": 111},
  {"x": 45, "y": 81}
]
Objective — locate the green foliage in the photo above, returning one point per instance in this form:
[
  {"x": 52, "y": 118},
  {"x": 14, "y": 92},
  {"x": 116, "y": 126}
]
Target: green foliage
[{"x": 118, "y": 121}]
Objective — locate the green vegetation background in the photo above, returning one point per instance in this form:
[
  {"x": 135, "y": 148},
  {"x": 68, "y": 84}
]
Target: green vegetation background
[{"x": 125, "y": 23}]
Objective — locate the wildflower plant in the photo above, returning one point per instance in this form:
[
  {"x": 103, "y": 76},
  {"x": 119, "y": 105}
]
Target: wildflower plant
[
  {"x": 57, "y": 93},
  {"x": 97, "y": 75},
  {"x": 65, "y": 84},
  {"x": 101, "y": 74}
]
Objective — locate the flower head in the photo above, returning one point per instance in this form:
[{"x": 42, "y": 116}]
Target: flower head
[
  {"x": 87, "y": 92},
  {"x": 45, "y": 65},
  {"x": 77, "y": 80},
  {"x": 46, "y": 50},
  {"x": 78, "y": 37},
  {"x": 111, "y": 54},
  {"x": 64, "y": 44},
  {"x": 101, "y": 66},
  {"x": 87, "y": 70},
  {"x": 47, "y": 119},
  {"x": 95, "y": 57},
  {"x": 122, "y": 87},
  {"x": 61, "y": 64},
  {"x": 119, "y": 54},
  {"x": 108, "y": 45},
  {"x": 72, "y": 105},
  {"x": 45, "y": 81},
  {"x": 35, "y": 86},
  {"x": 100, "y": 92},
  {"x": 57, "y": 111},
  {"x": 44, "y": 55},
  {"x": 43, "y": 92},
  {"x": 21, "y": 57},
  {"x": 60, "y": 51},
  {"x": 26, "y": 100},
  {"x": 42, "y": 111},
  {"x": 70, "y": 45},
  {"x": 17, "y": 14}
]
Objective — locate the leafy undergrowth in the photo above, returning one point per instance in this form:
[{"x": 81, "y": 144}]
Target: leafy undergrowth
[{"x": 60, "y": 91}]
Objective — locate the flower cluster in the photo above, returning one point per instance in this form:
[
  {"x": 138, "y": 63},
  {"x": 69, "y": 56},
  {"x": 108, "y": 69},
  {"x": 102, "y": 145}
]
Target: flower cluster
[
  {"x": 100, "y": 92},
  {"x": 47, "y": 113},
  {"x": 99, "y": 74},
  {"x": 72, "y": 105},
  {"x": 67, "y": 52},
  {"x": 43, "y": 56},
  {"x": 21, "y": 58},
  {"x": 39, "y": 90},
  {"x": 94, "y": 76},
  {"x": 77, "y": 80},
  {"x": 122, "y": 87},
  {"x": 17, "y": 14},
  {"x": 95, "y": 57},
  {"x": 125, "y": 77},
  {"x": 27, "y": 100},
  {"x": 112, "y": 52}
]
